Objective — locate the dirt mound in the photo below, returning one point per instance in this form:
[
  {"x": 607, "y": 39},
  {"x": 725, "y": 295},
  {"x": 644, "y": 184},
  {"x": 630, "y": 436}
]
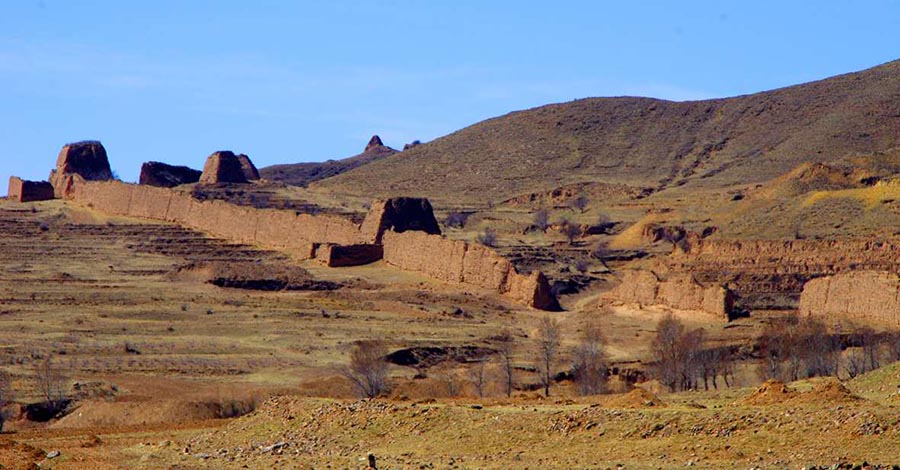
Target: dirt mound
[
  {"x": 827, "y": 390},
  {"x": 813, "y": 177},
  {"x": 167, "y": 176},
  {"x": 94, "y": 413},
  {"x": 251, "y": 275},
  {"x": 637, "y": 398},
  {"x": 770, "y": 392}
]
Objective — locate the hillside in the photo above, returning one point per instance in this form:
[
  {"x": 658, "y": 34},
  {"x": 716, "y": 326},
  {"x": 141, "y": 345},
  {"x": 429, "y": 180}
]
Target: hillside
[
  {"x": 301, "y": 174},
  {"x": 646, "y": 142}
]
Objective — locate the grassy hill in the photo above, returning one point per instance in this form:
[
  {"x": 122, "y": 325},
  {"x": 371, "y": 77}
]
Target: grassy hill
[{"x": 646, "y": 142}]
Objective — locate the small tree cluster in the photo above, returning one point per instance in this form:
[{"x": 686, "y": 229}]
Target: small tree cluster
[
  {"x": 589, "y": 369},
  {"x": 570, "y": 230},
  {"x": 795, "y": 348},
  {"x": 682, "y": 359}
]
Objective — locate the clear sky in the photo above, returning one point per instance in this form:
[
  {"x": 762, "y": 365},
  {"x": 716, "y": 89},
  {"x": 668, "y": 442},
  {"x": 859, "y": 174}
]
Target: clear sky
[{"x": 294, "y": 81}]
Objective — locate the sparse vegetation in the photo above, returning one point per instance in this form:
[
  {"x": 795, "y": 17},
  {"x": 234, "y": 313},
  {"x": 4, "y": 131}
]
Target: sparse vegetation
[
  {"x": 548, "y": 341},
  {"x": 456, "y": 220},
  {"x": 541, "y": 220},
  {"x": 589, "y": 368},
  {"x": 488, "y": 237},
  {"x": 368, "y": 369}
]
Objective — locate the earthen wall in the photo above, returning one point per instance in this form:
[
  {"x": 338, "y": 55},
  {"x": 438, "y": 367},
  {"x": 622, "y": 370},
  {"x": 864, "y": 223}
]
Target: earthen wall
[
  {"x": 342, "y": 241},
  {"x": 861, "y": 296},
  {"x": 461, "y": 262},
  {"x": 29, "y": 191},
  {"x": 681, "y": 292}
]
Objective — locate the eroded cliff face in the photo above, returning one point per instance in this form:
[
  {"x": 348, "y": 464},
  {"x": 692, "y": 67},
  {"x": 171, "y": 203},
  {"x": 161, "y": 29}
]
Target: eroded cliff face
[
  {"x": 871, "y": 297},
  {"x": 679, "y": 292},
  {"x": 335, "y": 240},
  {"x": 770, "y": 274}
]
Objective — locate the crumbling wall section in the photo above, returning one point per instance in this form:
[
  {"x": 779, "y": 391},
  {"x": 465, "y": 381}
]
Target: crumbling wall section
[
  {"x": 29, "y": 191},
  {"x": 461, "y": 262},
  {"x": 340, "y": 241},
  {"x": 680, "y": 292},
  {"x": 871, "y": 297}
]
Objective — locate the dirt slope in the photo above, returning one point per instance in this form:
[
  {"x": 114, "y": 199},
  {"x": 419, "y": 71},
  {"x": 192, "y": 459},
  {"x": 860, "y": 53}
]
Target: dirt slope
[{"x": 647, "y": 142}]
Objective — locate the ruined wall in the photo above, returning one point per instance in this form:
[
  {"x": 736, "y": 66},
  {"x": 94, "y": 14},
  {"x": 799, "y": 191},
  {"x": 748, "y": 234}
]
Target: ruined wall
[
  {"x": 348, "y": 255},
  {"x": 462, "y": 262},
  {"x": 770, "y": 274},
  {"x": 864, "y": 296},
  {"x": 340, "y": 242},
  {"x": 29, "y": 191},
  {"x": 680, "y": 292}
]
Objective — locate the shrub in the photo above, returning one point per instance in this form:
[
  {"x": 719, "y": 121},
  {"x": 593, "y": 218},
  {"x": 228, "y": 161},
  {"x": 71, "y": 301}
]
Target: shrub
[
  {"x": 456, "y": 219},
  {"x": 368, "y": 368},
  {"x": 541, "y": 219},
  {"x": 488, "y": 237}
]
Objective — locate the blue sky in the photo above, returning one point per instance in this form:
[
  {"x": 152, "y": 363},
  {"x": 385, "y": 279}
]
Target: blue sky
[{"x": 286, "y": 82}]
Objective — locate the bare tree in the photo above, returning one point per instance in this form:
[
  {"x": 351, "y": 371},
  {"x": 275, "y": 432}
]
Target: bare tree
[
  {"x": 478, "y": 375},
  {"x": 541, "y": 219},
  {"x": 505, "y": 349},
  {"x": 368, "y": 368},
  {"x": 570, "y": 230},
  {"x": 546, "y": 350},
  {"x": 488, "y": 237},
  {"x": 51, "y": 381},
  {"x": 666, "y": 352},
  {"x": 590, "y": 361},
  {"x": 580, "y": 203},
  {"x": 451, "y": 380},
  {"x": 690, "y": 346}
]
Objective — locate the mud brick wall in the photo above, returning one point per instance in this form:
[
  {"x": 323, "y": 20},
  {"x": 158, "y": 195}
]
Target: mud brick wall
[
  {"x": 465, "y": 263},
  {"x": 29, "y": 191},
  {"x": 871, "y": 297},
  {"x": 681, "y": 292},
  {"x": 149, "y": 202}
]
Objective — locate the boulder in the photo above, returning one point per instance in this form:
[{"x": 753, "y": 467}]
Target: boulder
[
  {"x": 167, "y": 176},
  {"x": 399, "y": 214},
  {"x": 225, "y": 167},
  {"x": 29, "y": 191},
  {"x": 86, "y": 159}
]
